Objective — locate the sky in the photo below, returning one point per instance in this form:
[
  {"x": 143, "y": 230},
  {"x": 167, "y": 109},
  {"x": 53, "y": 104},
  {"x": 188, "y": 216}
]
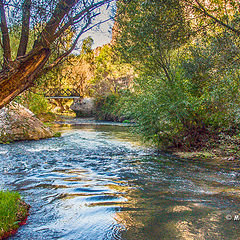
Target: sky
[
  {"x": 100, "y": 36},
  {"x": 103, "y": 33}
]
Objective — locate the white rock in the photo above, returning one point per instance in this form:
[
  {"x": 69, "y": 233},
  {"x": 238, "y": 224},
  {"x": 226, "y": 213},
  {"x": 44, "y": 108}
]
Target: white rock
[
  {"x": 19, "y": 123},
  {"x": 84, "y": 107}
]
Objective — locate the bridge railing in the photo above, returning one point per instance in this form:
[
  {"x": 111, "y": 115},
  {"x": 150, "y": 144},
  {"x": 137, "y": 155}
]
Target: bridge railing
[{"x": 62, "y": 93}]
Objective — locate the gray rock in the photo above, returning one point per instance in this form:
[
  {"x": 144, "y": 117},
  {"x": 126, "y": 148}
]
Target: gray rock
[
  {"x": 19, "y": 123},
  {"x": 84, "y": 107}
]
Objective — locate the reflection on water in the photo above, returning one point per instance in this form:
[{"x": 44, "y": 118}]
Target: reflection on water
[{"x": 97, "y": 182}]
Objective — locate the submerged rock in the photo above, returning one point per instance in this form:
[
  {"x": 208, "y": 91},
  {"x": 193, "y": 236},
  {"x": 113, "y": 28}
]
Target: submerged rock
[
  {"x": 84, "y": 107},
  {"x": 19, "y": 123}
]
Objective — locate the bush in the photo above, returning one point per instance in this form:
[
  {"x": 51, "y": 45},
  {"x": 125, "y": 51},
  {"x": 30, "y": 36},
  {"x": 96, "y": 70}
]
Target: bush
[
  {"x": 187, "y": 89},
  {"x": 35, "y": 102},
  {"x": 111, "y": 107},
  {"x": 184, "y": 112}
]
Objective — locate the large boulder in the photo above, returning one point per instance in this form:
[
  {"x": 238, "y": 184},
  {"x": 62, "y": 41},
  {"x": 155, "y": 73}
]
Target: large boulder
[
  {"x": 19, "y": 123},
  {"x": 84, "y": 107}
]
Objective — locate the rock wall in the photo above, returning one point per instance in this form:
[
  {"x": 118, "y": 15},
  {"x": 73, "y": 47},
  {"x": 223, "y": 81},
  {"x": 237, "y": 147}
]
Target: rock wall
[
  {"x": 84, "y": 107},
  {"x": 19, "y": 123}
]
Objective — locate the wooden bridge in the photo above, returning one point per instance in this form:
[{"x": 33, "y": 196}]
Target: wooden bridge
[{"x": 58, "y": 93}]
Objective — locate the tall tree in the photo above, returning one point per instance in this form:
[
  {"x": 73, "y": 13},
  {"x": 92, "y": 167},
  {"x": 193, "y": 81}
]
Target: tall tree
[
  {"x": 50, "y": 20},
  {"x": 148, "y": 30}
]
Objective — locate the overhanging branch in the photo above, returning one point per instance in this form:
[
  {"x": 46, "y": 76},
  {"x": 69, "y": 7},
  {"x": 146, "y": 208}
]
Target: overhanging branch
[
  {"x": 65, "y": 54},
  {"x": 80, "y": 16},
  {"x": 207, "y": 14}
]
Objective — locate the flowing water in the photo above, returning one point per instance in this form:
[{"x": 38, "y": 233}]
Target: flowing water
[{"x": 97, "y": 182}]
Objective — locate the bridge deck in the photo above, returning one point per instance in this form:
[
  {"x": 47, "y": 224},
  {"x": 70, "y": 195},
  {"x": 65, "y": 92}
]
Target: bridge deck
[{"x": 59, "y": 97}]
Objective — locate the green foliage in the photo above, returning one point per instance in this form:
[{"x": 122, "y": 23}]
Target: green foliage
[
  {"x": 148, "y": 31},
  {"x": 173, "y": 115},
  {"x": 103, "y": 63},
  {"x": 87, "y": 45},
  {"x": 105, "y": 106},
  {"x": 35, "y": 102},
  {"x": 110, "y": 84},
  {"x": 187, "y": 89},
  {"x": 57, "y": 134},
  {"x": 38, "y": 104},
  {"x": 10, "y": 210},
  {"x": 110, "y": 76},
  {"x": 111, "y": 107}
]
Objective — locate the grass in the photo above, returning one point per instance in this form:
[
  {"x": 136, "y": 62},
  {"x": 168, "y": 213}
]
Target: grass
[
  {"x": 57, "y": 134},
  {"x": 12, "y": 212}
]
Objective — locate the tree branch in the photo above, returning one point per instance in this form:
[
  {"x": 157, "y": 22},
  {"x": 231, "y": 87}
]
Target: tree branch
[
  {"x": 80, "y": 16},
  {"x": 83, "y": 30},
  {"x": 5, "y": 35},
  {"x": 26, "y": 9},
  {"x": 206, "y": 13},
  {"x": 66, "y": 26},
  {"x": 65, "y": 54},
  {"x": 46, "y": 38}
]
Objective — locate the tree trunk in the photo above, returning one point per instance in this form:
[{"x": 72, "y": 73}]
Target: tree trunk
[
  {"x": 26, "y": 11},
  {"x": 5, "y": 36},
  {"x": 20, "y": 74}
]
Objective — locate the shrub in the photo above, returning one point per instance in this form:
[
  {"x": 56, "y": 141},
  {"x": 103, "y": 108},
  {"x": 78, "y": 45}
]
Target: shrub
[
  {"x": 112, "y": 107},
  {"x": 35, "y": 102},
  {"x": 173, "y": 114}
]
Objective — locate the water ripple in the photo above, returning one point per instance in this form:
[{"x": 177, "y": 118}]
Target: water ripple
[{"x": 95, "y": 182}]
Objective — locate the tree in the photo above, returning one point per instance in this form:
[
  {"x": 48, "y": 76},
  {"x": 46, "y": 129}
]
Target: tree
[
  {"x": 211, "y": 13},
  {"x": 50, "y": 21},
  {"x": 186, "y": 54},
  {"x": 148, "y": 30}
]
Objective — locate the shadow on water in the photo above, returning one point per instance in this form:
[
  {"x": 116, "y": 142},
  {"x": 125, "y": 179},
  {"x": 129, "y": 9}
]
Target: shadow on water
[{"x": 97, "y": 182}]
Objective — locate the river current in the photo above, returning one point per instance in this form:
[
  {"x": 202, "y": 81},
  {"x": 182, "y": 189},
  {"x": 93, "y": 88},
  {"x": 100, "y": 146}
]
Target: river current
[{"x": 96, "y": 182}]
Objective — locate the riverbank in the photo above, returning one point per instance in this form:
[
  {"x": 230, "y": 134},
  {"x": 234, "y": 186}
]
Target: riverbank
[
  {"x": 222, "y": 149},
  {"x": 223, "y": 152},
  {"x": 13, "y": 213}
]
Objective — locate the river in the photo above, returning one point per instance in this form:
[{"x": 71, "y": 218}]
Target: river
[{"x": 97, "y": 182}]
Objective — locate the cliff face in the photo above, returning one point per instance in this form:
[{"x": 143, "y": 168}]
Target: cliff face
[{"x": 19, "y": 123}]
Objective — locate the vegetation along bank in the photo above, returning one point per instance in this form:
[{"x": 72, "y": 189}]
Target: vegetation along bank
[{"x": 13, "y": 213}]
